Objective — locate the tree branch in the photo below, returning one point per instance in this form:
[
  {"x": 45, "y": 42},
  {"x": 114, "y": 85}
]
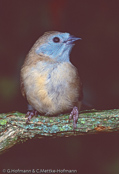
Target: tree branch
[{"x": 13, "y": 127}]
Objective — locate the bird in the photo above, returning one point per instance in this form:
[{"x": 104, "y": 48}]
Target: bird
[{"x": 49, "y": 81}]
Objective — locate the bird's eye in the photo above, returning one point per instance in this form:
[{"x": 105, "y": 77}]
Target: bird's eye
[{"x": 56, "y": 39}]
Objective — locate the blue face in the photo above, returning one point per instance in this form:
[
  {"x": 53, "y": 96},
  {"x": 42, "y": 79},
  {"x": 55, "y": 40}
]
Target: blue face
[{"x": 57, "y": 46}]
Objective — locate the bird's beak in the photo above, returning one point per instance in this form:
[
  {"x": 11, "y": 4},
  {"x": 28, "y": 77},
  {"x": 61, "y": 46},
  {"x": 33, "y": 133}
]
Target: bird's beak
[{"x": 72, "y": 39}]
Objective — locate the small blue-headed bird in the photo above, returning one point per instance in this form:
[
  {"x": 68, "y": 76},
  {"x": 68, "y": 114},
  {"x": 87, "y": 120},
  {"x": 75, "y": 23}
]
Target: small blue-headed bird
[{"x": 49, "y": 81}]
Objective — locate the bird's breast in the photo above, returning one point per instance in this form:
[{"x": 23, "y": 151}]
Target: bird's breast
[{"x": 52, "y": 88}]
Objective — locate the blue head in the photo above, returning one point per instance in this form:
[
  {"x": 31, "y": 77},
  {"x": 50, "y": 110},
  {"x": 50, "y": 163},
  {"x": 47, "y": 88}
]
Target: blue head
[{"x": 56, "y": 45}]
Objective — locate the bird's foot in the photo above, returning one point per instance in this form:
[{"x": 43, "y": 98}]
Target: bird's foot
[
  {"x": 74, "y": 114},
  {"x": 30, "y": 114}
]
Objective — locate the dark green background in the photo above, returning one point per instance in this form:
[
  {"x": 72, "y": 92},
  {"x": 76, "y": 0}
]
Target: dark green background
[{"x": 97, "y": 59}]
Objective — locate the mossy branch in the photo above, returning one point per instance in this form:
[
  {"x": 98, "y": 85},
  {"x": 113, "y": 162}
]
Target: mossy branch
[{"x": 13, "y": 127}]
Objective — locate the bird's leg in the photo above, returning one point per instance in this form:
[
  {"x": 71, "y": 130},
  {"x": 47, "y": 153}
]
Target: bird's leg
[
  {"x": 30, "y": 113},
  {"x": 74, "y": 114}
]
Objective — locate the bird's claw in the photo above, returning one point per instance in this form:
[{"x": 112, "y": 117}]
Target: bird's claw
[
  {"x": 74, "y": 114},
  {"x": 30, "y": 114}
]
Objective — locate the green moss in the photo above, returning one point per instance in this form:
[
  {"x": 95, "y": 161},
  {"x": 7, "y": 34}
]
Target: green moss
[
  {"x": 54, "y": 129},
  {"x": 51, "y": 121},
  {"x": 18, "y": 113},
  {"x": 3, "y": 122},
  {"x": 35, "y": 120}
]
